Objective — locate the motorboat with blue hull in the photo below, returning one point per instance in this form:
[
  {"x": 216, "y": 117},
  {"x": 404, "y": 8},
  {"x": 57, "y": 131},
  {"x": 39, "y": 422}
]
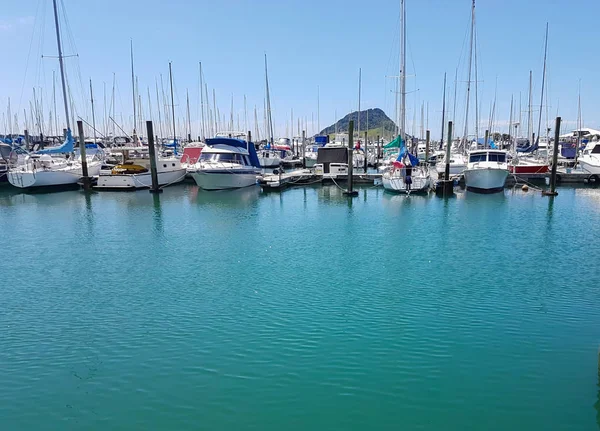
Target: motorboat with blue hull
[{"x": 226, "y": 163}]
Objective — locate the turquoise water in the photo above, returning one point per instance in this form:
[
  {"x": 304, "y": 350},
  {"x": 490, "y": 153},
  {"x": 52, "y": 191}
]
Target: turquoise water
[{"x": 301, "y": 310}]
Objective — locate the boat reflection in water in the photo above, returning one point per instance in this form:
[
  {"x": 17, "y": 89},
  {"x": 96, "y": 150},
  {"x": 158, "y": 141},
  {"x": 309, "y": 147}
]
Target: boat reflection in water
[{"x": 224, "y": 198}]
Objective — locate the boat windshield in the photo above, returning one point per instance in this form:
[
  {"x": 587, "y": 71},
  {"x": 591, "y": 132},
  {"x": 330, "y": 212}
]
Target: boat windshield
[
  {"x": 479, "y": 157},
  {"x": 225, "y": 158},
  {"x": 497, "y": 157}
]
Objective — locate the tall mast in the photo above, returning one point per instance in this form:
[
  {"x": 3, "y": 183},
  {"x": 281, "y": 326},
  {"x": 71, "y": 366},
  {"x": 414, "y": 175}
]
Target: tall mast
[
  {"x": 270, "y": 120},
  {"x": 403, "y": 72},
  {"x": 465, "y": 135},
  {"x": 133, "y": 93},
  {"x": 158, "y": 109},
  {"x": 172, "y": 104},
  {"x": 62, "y": 67},
  {"x": 529, "y": 117},
  {"x": 202, "y": 127},
  {"x": 318, "y": 111},
  {"x": 93, "y": 113},
  {"x": 245, "y": 115},
  {"x": 510, "y": 121},
  {"x": 359, "y": 88},
  {"x": 189, "y": 121},
  {"x": 215, "y": 113},
  {"x": 54, "y": 103},
  {"x": 443, "y": 114},
  {"x": 476, "y": 78},
  {"x": 543, "y": 85}
]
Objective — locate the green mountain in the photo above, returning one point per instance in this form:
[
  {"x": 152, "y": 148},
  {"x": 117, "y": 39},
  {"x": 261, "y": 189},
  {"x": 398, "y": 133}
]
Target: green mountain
[{"x": 376, "y": 119}]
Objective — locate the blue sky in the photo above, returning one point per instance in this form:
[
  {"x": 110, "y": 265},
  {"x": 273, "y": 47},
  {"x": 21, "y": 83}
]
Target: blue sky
[{"x": 309, "y": 44}]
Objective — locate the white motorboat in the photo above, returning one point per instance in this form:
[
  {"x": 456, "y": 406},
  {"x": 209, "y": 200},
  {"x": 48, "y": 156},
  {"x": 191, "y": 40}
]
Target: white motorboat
[
  {"x": 590, "y": 159},
  {"x": 458, "y": 163},
  {"x": 227, "y": 163},
  {"x": 269, "y": 158},
  {"x": 486, "y": 171},
  {"x": 133, "y": 171}
]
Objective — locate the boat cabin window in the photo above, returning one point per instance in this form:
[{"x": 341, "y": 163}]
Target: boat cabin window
[
  {"x": 478, "y": 157},
  {"x": 223, "y": 157},
  {"x": 596, "y": 149},
  {"x": 497, "y": 157}
]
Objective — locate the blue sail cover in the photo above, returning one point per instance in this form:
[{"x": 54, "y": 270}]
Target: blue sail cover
[
  {"x": 239, "y": 143},
  {"x": 173, "y": 145},
  {"x": 66, "y": 147},
  {"x": 490, "y": 143},
  {"x": 414, "y": 160},
  {"x": 525, "y": 146}
]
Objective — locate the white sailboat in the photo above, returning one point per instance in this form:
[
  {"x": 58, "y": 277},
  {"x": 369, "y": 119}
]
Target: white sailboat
[
  {"x": 268, "y": 157},
  {"x": 54, "y": 166},
  {"x": 410, "y": 177}
]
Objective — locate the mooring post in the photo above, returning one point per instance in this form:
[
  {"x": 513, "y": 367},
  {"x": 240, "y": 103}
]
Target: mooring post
[
  {"x": 350, "y": 191},
  {"x": 377, "y": 156},
  {"x": 445, "y": 186},
  {"x": 27, "y": 140},
  {"x": 487, "y": 139},
  {"x": 427, "y": 138},
  {"x": 448, "y": 146},
  {"x": 366, "y": 152},
  {"x": 84, "y": 167},
  {"x": 152, "y": 150},
  {"x": 552, "y": 191},
  {"x": 303, "y": 149}
]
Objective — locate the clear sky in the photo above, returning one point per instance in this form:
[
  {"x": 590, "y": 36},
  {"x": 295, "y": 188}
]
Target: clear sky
[{"x": 309, "y": 44}]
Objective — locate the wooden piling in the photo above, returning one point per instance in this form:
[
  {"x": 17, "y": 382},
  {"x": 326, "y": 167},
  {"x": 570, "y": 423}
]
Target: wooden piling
[
  {"x": 304, "y": 149},
  {"x": 366, "y": 152},
  {"x": 445, "y": 187},
  {"x": 487, "y": 139},
  {"x": 152, "y": 150},
  {"x": 378, "y": 154},
  {"x": 552, "y": 191},
  {"x": 350, "y": 191},
  {"x": 87, "y": 184},
  {"x": 27, "y": 140}
]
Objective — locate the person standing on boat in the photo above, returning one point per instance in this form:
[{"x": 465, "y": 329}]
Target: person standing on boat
[{"x": 408, "y": 177}]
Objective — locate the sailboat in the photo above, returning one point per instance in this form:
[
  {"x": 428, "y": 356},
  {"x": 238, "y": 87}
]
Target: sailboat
[
  {"x": 268, "y": 156},
  {"x": 405, "y": 176},
  {"x": 524, "y": 161},
  {"x": 133, "y": 171},
  {"x": 487, "y": 169},
  {"x": 53, "y": 166}
]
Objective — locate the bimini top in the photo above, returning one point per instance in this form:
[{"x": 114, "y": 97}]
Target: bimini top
[{"x": 239, "y": 143}]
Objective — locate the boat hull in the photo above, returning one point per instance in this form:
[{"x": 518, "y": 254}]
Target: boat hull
[
  {"x": 31, "y": 178},
  {"x": 485, "y": 180},
  {"x": 396, "y": 183},
  {"x": 455, "y": 168},
  {"x": 269, "y": 162},
  {"x": 224, "y": 180},
  {"x": 591, "y": 168},
  {"x": 528, "y": 169},
  {"x": 138, "y": 181}
]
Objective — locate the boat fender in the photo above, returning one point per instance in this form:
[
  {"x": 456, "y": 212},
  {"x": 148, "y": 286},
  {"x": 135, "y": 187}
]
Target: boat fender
[{"x": 525, "y": 188}]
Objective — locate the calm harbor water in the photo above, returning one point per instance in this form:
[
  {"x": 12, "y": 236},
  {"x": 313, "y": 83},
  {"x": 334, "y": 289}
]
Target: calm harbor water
[{"x": 301, "y": 310}]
